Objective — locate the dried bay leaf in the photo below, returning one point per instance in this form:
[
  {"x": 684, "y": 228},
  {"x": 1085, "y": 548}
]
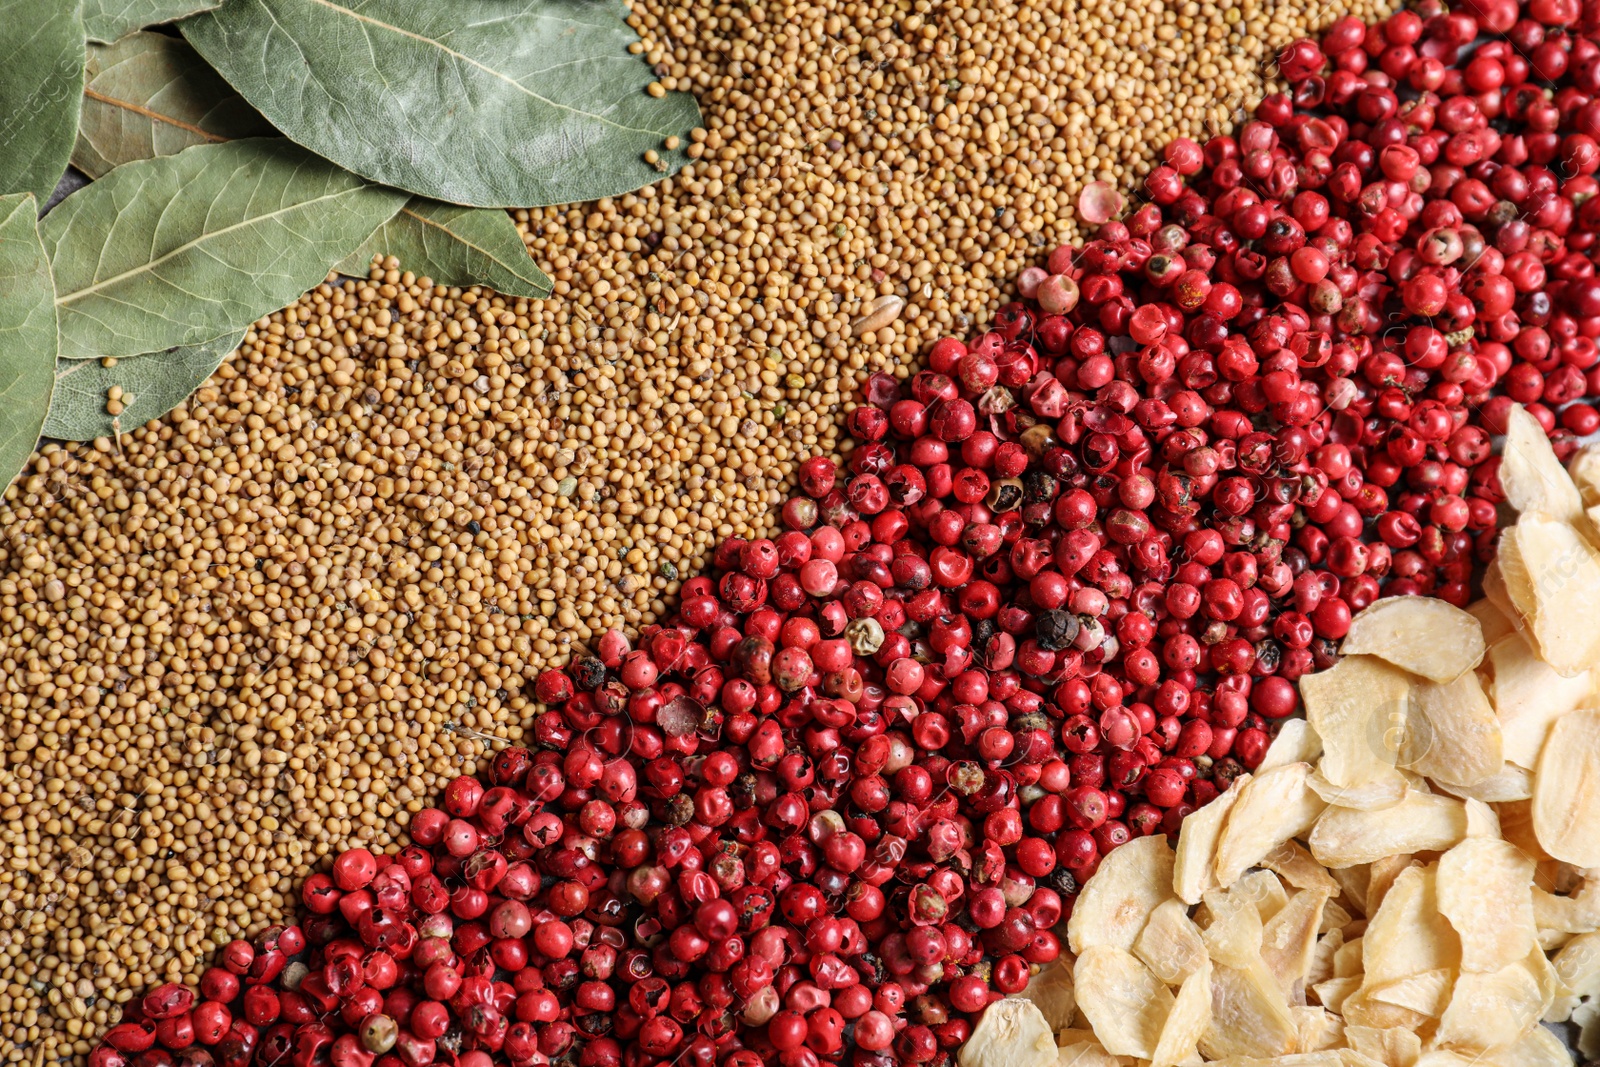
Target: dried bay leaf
[
  {"x": 152, "y": 385},
  {"x": 552, "y": 109},
  {"x": 41, "y": 92},
  {"x": 27, "y": 333},
  {"x": 151, "y": 95},
  {"x": 108, "y": 20},
  {"x": 455, "y": 245},
  {"x": 182, "y": 249}
]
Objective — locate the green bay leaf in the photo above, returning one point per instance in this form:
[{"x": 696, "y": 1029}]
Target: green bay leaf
[
  {"x": 27, "y": 333},
  {"x": 151, "y": 95},
  {"x": 455, "y": 245},
  {"x": 108, "y": 20},
  {"x": 152, "y": 385},
  {"x": 182, "y": 249},
  {"x": 491, "y": 103},
  {"x": 41, "y": 91}
]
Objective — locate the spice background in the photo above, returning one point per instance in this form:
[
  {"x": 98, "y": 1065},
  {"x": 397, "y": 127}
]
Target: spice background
[{"x": 271, "y": 625}]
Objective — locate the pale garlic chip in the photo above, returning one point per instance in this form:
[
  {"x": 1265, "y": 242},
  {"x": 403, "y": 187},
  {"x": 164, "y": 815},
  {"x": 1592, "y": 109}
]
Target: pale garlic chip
[
  {"x": 1482, "y": 820},
  {"x": 1010, "y": 1033},
  {"x": 1497, "y": 591},
  {"x": 1272, "y": 808},
  {"x": 1123, "y": 1001},
  {"x": 1446, "y": 1058},
  {"x": 1296, "y": 742},
  {"x": 1408, "y": 936},
  {"x": 1317, "y": 1029},
  {"x": 1351, "y": 1058},
  {"x": 1194, "y": 865},
  {"x": 1566, "y": 790},
  {"x": 1374, "y": 795},
  {"x": 1493, "y": 621},
  {"x": 1356, "y": 882},
  {"x": 1358, "y": 709},
  {"x": 1451, "y": 732},
  {"x": 1539, "y": 1047},
  {"x": 1249, "y": 1016},
  {"x": 1293, "y": 1059},
  {"x": 1395, "y": 1047},
  {"x": 1512, "y": 783},
  {"x": 1516, "y": 826},
  {"x": 1381, "y": 875},
  {"x": 1264, "y": 890},
  {"x": 1578, "y": 965},
  {"x": 1419, "y": 823},
  {"x": 1320, "y": 967},
  {"x": 1187, "y": 1022},
  {"x": 1587, "y": 1018},
  {"x": 1291, "y": 862},
  {"x": 1575, "y": 914},
  {"x": 1086, "y": 1054},
  {"x": 1425, "y": 636},
  {"x": 1530, "y": 473},
  {"x": 1363, "y": 1009},
  {"x": 1051, "y": 992},
  {"x": 1584, "y": 470},
  {"x": 1528, "y": 697},
  {"x": 1347, "y": 958},
  {"x": 1333, "y": 992},
  {"x": 1484, "y": 887},
  {"x": 1563, "y": 577},
  {"x": 1427, "y": 993},
  {"x": 1113, "y": 905},
  {"x": 1171, "y": 945},
  {"x": 1490, "y": 1011},
  {"x": 1231, "y": 931},
  {"x": 1289, "y": 939}
]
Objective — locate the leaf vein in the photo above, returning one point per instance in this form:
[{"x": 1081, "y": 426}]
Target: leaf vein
[
  {"x": 153, "y": 116},
  {"x": 468, "y": 60},
  {"x": 154, "y": 264}
]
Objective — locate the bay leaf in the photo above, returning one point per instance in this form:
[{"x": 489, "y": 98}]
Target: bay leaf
[
  {"x": 27, "y": 333},
  {"x": 152, "y": 95},
  {"x": 490, "y": 103},
  {"x": 455, "y": 245},
  {"x": 152, "y": 385},
  {"x": 110, "y": 20},
  {"x": 182, "y": 249},
  {"x": 41, "y": 92}
]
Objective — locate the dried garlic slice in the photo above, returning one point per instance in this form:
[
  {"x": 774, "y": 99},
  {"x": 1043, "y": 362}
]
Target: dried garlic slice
[
  {"x": 1114, "y": 905},
  {"x": 1485, "y": 889},
  {"x": 1423, "y": 635},
  {"x": 1566, "y": 790},
  {"x": 1010, "y": 1033},
  {"x": 1530, "y": 473}
]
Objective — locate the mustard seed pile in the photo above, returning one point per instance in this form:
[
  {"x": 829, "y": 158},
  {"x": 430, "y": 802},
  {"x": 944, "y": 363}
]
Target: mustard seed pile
[{"x": 273, "y": 624}]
